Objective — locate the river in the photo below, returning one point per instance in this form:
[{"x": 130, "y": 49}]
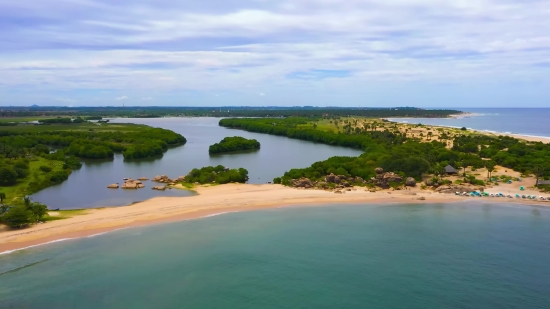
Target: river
[{"x": 87, "y": 187}]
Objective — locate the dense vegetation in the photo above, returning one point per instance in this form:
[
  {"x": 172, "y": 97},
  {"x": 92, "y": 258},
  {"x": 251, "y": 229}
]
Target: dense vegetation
[
  {"x": 134, "y": 141},
  {"x": 22, "y": 214},
  {"x": 29, "y": 164},
  {"x": 216, "y": 174},
  {"x": 223, "y": 111},
  {"x": 235, "y": 143},
  {"x": 394, "y": 152}
]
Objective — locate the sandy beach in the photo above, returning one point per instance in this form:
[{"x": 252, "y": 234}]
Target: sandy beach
[{"x": 210, "y": 201}]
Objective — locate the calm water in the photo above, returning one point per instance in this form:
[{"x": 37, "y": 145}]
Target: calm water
[
  {"x": 87, "y": 187},
  {"x": 525, "y": 121},
  {"x": 408, "y": 256}
]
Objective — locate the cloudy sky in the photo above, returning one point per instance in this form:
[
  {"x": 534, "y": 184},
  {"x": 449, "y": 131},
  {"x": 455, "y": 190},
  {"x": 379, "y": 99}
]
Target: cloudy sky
[{"x": 436, "y": 53}]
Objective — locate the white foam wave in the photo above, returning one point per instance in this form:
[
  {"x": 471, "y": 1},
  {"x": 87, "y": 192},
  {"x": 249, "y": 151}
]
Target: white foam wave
[
  {"x": 218, "y": 214},
  {"x": 38, "y": 245}
]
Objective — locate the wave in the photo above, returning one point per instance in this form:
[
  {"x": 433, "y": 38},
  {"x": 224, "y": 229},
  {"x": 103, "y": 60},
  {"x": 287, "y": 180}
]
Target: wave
[
  {"x": 218, "y": 214},
  {"x": 37, "y": 245},
  {"x": 60, "y": 240}
]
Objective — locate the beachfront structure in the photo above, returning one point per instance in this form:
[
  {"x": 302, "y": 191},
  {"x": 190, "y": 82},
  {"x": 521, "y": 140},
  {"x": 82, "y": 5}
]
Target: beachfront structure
[{"x": 450, "y": 170}]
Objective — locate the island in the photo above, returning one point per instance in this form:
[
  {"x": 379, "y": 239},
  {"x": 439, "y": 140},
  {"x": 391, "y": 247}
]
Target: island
[{"x": 232, "y": 144}]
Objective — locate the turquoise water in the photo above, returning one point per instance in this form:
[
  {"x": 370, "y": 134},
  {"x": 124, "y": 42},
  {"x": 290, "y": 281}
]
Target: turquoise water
[
  {"x": 354, "y": 256},
  {"x": 523, "y": 121}
]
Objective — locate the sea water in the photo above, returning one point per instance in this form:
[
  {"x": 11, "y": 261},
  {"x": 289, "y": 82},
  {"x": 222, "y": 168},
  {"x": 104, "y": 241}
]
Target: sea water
[
  {"x": 523, "y": 121},
  {"x": 461, "y": 255}
]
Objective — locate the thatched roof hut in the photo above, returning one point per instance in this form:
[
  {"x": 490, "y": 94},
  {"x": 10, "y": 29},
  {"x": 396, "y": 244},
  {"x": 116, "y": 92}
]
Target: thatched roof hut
[{"x": 450, "y": 170}]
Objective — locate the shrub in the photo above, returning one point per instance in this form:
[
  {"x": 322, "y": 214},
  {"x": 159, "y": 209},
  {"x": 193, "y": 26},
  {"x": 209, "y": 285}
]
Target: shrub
[
  {"x": 59, "y": 176},
  {"x": 45, "y": 168},
  {"x": 17, "y": 217},
  {"x": 8, "y": 176}
]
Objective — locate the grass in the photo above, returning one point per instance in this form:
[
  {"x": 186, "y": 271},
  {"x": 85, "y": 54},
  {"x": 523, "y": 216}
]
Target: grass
[
  {"x": 187, "y": 185},
  {"x": 35, "y": 174},
  {"x": 64, "y": 214},
  {"x": 21, "y": 119}
]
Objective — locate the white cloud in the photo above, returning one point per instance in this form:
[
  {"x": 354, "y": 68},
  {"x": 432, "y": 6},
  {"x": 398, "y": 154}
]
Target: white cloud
[
  {"x": 175, "y": 47},
  {"x": 261, "y": 94},
  {"x": 122, "y": 98},
  {"x": 146, "y": 99}
]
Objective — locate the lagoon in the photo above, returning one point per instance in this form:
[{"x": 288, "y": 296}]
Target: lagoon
[{"x": 87, "y": 187}]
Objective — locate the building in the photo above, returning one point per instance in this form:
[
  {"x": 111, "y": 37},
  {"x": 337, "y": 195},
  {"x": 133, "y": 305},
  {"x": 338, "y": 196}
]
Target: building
[{"x": 450, "y": 170}]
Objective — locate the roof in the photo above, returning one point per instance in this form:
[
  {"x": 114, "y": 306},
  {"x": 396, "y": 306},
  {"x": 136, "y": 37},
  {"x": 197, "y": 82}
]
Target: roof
[{"x": 450, "y": 169}]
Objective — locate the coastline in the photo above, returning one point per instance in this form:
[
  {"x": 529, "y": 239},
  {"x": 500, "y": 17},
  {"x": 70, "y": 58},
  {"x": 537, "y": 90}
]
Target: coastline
[
  {"x": 213, "y": 201},
  {"x": 525, "y": 137}
]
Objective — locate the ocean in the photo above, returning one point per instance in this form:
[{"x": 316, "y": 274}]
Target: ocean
[
  {"x": 523, "y": 121},
  {"x": 462, "y": 255}
]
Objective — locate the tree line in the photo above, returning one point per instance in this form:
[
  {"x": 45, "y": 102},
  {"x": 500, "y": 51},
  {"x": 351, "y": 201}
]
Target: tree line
[
  {"x": 224, "y": 111},
  {"x": 395, "y": 152},
  {"x": 216, "y": 174}
]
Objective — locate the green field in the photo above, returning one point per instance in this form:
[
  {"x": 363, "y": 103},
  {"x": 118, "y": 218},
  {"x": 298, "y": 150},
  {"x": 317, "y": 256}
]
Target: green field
[{"x": 19, "y": 190}]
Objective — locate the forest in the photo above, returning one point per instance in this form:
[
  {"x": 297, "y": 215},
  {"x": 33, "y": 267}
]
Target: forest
[
  {"x": 216, "y": 174},
  {"x": 232, "y": 144},
  {"x": 34, "y": 157},
  {"x": 395, "y": 152}
]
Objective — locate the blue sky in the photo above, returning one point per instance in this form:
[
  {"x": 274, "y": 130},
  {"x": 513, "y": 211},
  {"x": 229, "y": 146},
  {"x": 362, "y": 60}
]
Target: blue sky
[{"x": 428, "y": 53}]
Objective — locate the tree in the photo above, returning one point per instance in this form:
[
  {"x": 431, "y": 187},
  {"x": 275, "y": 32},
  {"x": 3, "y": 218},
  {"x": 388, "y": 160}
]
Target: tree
[
  {"x": 39, "y": 211},
  {"x": 8, "y": 176},
  {"x": 314, "y": 126},
  {"x": 17, "y": 217},
  {"x": 2, "y": 197},
  {"x": 27, "y": 200},
  {"x": 490, "y": 165},
  {"x": 538, "y": 170},
  {"x": 459, "y": 165}
]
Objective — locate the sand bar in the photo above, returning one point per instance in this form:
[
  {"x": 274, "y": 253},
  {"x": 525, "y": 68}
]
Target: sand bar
[{"x": 211, "y": 200}]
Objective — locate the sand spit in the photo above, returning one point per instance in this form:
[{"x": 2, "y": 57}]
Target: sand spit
[{"x": 211, "y": 201}]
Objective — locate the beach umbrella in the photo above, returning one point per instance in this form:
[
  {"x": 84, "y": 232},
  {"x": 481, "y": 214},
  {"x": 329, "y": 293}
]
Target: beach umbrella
[
  {"x": 509, "y": 182},
  {"x": 522, "y": 188},
  {"x": 517, "y": 195}
]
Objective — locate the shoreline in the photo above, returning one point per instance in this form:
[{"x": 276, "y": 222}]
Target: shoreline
[
  {"x": 213, "y": 201},
  {"x": 525, "y": 137}
]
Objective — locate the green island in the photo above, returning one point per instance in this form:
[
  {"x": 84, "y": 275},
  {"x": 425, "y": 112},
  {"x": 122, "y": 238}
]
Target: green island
[
  {"x": 232, "y": 144},
  {"x": 408, "y": 150},
  {"x": 34, "y": 156},
  {"x": 215, "y": 175}
]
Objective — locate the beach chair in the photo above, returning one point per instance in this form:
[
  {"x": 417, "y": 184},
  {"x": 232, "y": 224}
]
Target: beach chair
[{"x": 517, "y": 196}]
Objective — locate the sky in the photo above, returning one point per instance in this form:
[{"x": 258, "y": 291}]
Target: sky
[{"x": 372, "y": 53}]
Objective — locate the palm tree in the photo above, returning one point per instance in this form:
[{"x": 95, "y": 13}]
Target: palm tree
[{"x": 27, "y": 200}]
